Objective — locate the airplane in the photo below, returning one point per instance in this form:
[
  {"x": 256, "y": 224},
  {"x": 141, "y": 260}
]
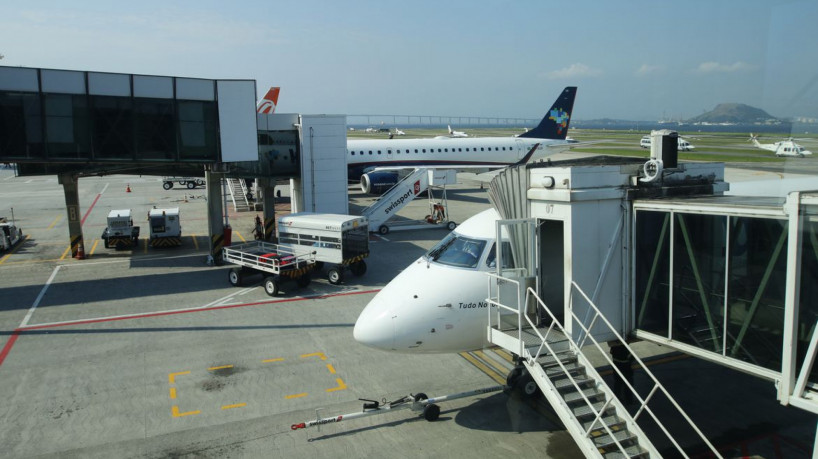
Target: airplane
[
  {"x": 456, "y": 133},
  {"x": 379, "y": 161},
  {"x": 419, "y": 311},
  {"x": 782, "y": 148},
  {"x": 399, "y": 132},
  {"x": 269, "y": 102}
]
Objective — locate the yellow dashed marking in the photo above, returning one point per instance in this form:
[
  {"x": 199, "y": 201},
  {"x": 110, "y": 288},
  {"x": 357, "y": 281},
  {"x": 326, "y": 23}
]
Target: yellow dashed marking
[
  {"x": 240, "y": 236},
  {"x": 221, "y": 367},
  {"x": 280, "y": 359},
  {"x": 330, "y": 368},
  {"x": 315, "y": 354},
  {"x": 145, "y": 247},
  {"x": 195, "y": 242},
  {"x": 237, "y": 405},
  {"x": 20, "y": 244},
  {"x": 341, "y": 385},
  {"x": 54, "y": 222},
  {"x": 172, "y": 376},
  {"x": 66, "y": 252},
  {"x": 485, "y": 369},
  {"x": 173, "y": 393},
  {"x": 288, "y": 397},
  {"x": 93, "y": 247},
  {"x": 177, "y": 414}
]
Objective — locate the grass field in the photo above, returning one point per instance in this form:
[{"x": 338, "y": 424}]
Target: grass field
[{"x": 710, "y": 146}]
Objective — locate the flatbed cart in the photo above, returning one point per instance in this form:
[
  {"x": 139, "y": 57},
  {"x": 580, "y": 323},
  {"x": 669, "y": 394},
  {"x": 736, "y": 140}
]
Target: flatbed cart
[
  {"x": 277, "y": 263},
  {"x": 189, "y": 182},
  {"x": 417, "y": 402},
  {"x": 340, "y": 240}
]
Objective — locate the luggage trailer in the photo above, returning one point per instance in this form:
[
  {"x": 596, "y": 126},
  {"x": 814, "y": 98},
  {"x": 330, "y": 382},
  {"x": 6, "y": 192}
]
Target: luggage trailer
[
  {"x": 342, "y": 240},
  {"x": 276, "y": 262}
]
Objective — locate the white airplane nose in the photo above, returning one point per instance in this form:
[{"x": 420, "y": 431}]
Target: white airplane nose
[{"x": 374, "y": 327}]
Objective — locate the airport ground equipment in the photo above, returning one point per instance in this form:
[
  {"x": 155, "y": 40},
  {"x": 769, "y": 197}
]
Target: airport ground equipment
[
  {"x": 166, "y": 228},
  {"x": 276, "y": 262},
  {"x": 400, "y": 195},
  {"x": 417, "y": 402},
  {"x": 120, "y": 232},
  {"x": 189, "y": 182},
  {"x": 342, "y": 240},
  {"x": 10, "y": 234}
]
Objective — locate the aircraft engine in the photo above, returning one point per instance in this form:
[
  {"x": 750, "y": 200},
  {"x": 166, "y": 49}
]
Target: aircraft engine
[{"x": 378, "y": 183}]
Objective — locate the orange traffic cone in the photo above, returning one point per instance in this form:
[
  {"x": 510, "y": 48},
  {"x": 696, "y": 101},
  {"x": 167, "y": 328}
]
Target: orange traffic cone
[
  {"x": 128, "y": 189},
  {"x": 81, "y": 252}
]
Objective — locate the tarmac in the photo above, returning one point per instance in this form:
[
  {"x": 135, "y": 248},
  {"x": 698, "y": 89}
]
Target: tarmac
[{"x": 151, "y": 353}]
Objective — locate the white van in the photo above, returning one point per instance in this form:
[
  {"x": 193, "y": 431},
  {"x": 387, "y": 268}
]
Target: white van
[
  {"x": 681, "y": 144},
  {"x": 645, "y": 142}
]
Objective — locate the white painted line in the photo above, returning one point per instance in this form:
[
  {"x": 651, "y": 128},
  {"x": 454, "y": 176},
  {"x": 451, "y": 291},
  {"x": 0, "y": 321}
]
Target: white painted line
[
  {"x": 104, "y": 188},
  {"x": 39, "y": 298},
  {"x": 29, "y": 181}
]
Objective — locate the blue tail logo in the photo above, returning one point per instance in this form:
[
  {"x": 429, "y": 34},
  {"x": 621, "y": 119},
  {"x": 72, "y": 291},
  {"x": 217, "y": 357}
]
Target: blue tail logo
[{"x": 561, "y": 118}]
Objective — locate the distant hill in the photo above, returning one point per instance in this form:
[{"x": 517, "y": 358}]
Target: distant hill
[{"x": 735, "y": 114}]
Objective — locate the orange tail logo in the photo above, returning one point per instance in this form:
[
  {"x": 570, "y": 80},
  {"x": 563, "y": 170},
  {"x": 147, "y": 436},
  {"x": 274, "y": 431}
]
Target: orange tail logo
[{"x": 269, "y": 102}]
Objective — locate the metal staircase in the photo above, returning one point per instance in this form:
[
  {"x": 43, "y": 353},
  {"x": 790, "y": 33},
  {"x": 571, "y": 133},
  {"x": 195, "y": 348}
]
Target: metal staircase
[
  {"x": 553, "y": 360},
  {"x": 238, "y": 194},
  {"x": 396, "y": 198}
]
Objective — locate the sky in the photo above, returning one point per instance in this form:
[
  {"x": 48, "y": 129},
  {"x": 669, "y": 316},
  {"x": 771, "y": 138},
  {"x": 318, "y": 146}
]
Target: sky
[{"x": 636, "y": 60}]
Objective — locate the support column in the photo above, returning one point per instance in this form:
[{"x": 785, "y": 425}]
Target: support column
[
  {"x": 70, "y": 184},
  {"x": 269, "y": 200},
  {"x": 215, "y": 216}
]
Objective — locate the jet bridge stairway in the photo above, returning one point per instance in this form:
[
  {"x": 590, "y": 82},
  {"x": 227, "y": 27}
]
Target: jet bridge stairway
[
  {"x": 238, "y": 194},
  {"x": 554, "y": 362}
]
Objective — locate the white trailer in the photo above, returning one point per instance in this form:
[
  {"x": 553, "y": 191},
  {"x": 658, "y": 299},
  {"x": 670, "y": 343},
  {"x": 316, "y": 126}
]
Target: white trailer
[
  {"x": 189, "y": 182},
  {"x": 274, "y": 261},
  {"x": 9, "y": 234},
  {"x": 166, "y": 229},
  {"x": 120, "y": 232},
  {"x": 342, "y": 240}
]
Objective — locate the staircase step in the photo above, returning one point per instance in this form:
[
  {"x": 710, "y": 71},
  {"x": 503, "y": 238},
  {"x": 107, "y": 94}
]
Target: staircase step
[
  {"x": 614, "y": 422},
  {"x": 584, "y": 411},
  {"x": 606, "y": 442},
  {"x": 574, "y": 368},
  {"x": 593, "y": 394},
  {"x": 566, "y": 384},
  {"x": 632, "y": 452}
]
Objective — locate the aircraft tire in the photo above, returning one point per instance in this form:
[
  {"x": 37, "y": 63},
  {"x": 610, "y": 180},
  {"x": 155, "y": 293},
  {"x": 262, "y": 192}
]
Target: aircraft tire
[
  {"x": 527, "y": 387},
  {"x": 383, "y": 230},
  {"x": 358, "y": 268}
]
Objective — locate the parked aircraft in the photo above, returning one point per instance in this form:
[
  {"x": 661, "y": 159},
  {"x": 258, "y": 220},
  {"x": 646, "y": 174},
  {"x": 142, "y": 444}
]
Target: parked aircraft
[
  {"x": 420, "y": 312},
  {"x": 453, "y": 133},
  {"x": 782, "y": 148},
  {"x": 475, "y": 154},
  {"x": 268, "y": 103},
  {"x": 399, "y": 132}
]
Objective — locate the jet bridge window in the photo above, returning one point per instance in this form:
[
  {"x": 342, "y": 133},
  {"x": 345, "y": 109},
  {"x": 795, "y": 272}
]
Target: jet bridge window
[{"x": 457, "y": 250}]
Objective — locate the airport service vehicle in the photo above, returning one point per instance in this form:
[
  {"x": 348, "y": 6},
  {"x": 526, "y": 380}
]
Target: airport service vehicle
[
  {"x": 276, "y": 262},
  {"x": 377, "y": 160},
  {"x": 120, "y": 232},
  {"x": 681, "y": 144},
  {"x": 10, "y": 234},
  {"x": 342, "y": 240},
  {"x": 437, "y": 304},
  {"x": 166, "y": 229},
  {"x": 189, "y": 182},
  {"x": 782, "y": 148}
]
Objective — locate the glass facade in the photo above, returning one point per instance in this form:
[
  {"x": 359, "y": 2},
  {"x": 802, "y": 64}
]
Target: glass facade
[
  {"x": 808, "y": 306},
  {"x": 724, "y": 290},
  {"x": 50, "y": 115}
]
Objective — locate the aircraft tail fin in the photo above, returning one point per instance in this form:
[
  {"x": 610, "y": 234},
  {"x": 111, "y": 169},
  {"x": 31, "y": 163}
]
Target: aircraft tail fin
[
  {"x": 450, "y": 129},
  {"x": 554, "y": 124},
  {"x": 269, "y": 102}
]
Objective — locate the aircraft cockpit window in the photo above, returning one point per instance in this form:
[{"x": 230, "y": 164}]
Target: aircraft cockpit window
[
  {"x": 457, "y": 250},
  {"x": 508, "y": 258}
]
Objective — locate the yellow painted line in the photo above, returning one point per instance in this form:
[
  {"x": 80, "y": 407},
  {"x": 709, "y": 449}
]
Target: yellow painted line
[
  {"x": 177, "y": 414},
  {"x": 237, "y": 405},
  {"x": 494, "y": 365},
  {"x": 195, "y": 242},
  {"x": 240, "y": 236},
  {"x": 67, "y": 249},
  {"x": 221, "y": 367},
  {"x": 330, "y": 368},
  {"x": 288, "y": 397},
  {"x": 59, "y": 217},
  {"x": 504, "y": 354},
  {"x": 341, "y": 385},
  {"x": 173, "y": 393},
  {"x": 315, "y": 354},
  {"x": 280, "y": 359},
  {"x": 20, "y": 244},
  {"x": 93, "y": 247},
  {"x": 172, "y": 376},
  {"x": 482, "y": 367},
  {"x": 145, "y": 247}
]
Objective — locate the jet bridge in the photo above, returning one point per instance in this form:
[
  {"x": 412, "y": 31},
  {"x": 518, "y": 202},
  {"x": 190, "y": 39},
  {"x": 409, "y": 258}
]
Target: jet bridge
[{"x": 611, "y": 249}]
